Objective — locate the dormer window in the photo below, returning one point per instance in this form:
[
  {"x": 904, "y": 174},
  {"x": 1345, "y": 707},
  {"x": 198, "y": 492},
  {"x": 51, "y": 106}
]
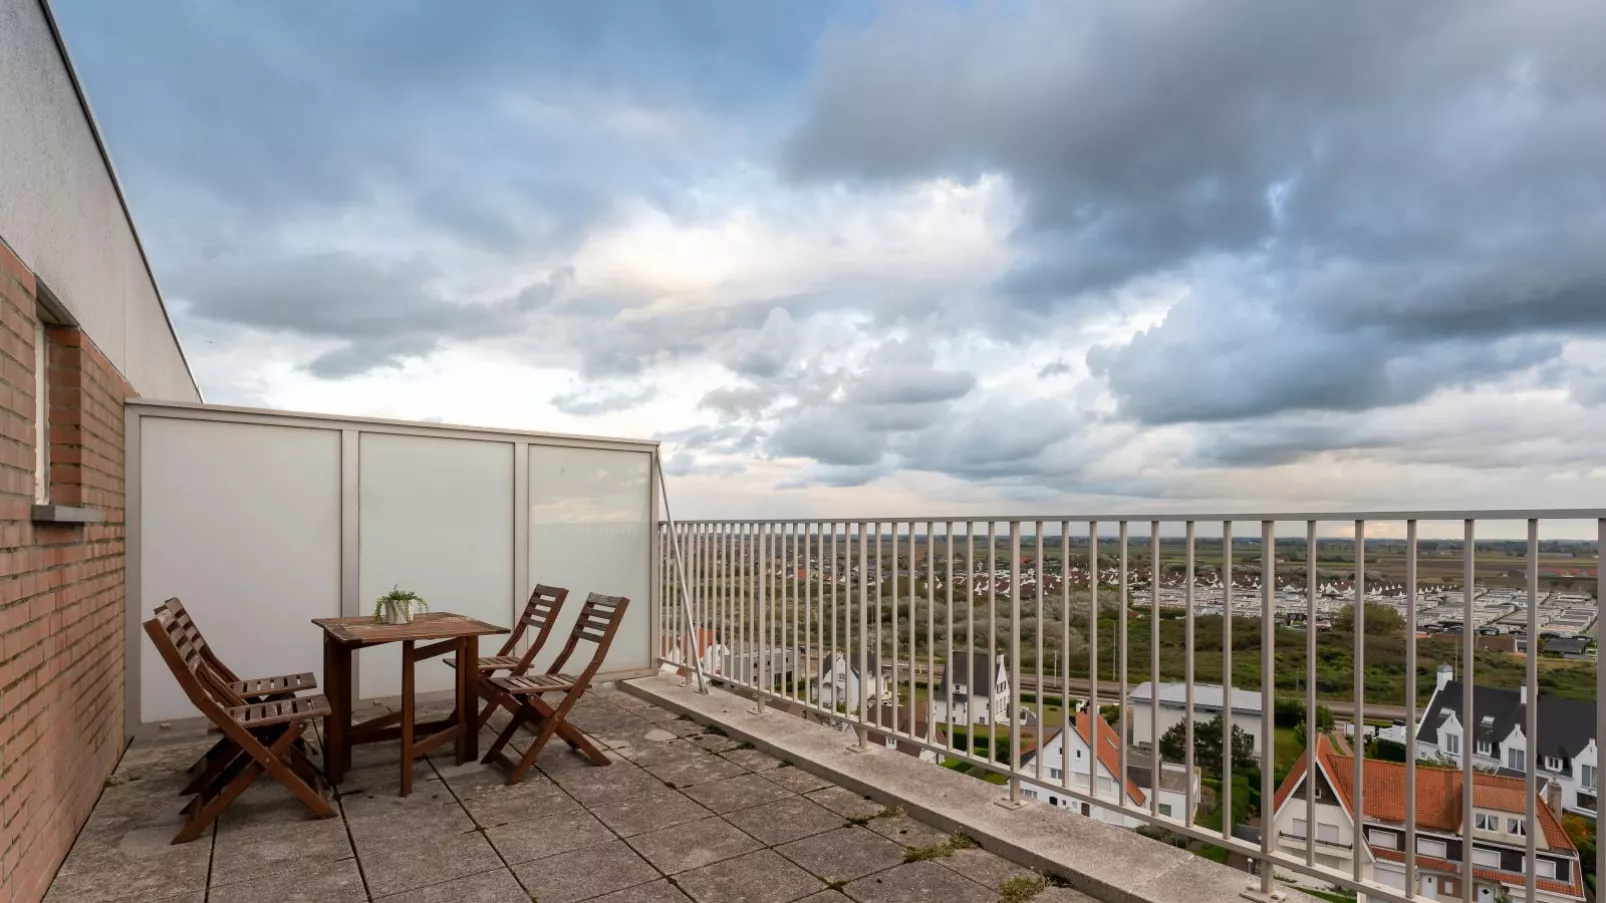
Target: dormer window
[
  {"x": 1516, "y": 759},
  {"x": 1552, "y": 764},
  {"x": 1484, "y": 748}
]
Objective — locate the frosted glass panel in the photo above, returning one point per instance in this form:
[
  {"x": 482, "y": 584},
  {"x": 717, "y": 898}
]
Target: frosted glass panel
[
  {"x": 437, "y": 518},
  {"x": 589, "y": 516},
  {"x": 242, "y": 522}
]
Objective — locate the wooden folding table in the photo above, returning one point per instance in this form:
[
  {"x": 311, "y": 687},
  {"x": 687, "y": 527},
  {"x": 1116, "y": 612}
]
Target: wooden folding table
[{"x": 444, "y": 632}]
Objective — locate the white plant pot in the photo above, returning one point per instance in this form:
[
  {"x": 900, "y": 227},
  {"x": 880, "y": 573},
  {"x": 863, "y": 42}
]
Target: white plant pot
[{"x": 398, "y": 613}]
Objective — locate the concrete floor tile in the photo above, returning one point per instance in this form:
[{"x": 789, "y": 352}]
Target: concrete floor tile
[
  {"x": 655, "y": 892},
  {"x": 648, "y": 812},
  {"x": 917, "y": 882},
  {"x": 533, "y": 799},
  {"x": 256, "y": 841},
  {"x": 649, "y": 753},
  {"x": 785, "y": 821},
  {"x": 141, "y": 863},
  {"x": 843, "y": 854},
  {"x": 905, "y": 830},
  {"x": 704, "y": 768},
  {"x": 583, "y": 874},
  {"x": 796, "y": 780},
  {"x": 982, "y": 867},
  {"x": 761, "y": 877},
  {"x": 408, "y": 862},
  {"x": 496, "y": 886},
  {"x": 556, "y": 833},
  {"x": 737, "y": 793},
  {"x": 384, "y": 779},
  {"x": 752, "y": 759},
  {"x": 716, "y": 742},
  {"x": 1062, "y": 895},
  {"x": 323, "y": 882},
  {"x": 826, "y": 896},
  {"x": 845, "y": 802},
  {"x": 593, "y": 785},
  {"x": 693, "y": 845}
]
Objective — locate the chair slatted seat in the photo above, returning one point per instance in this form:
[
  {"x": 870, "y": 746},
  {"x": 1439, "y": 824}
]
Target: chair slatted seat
[
  {"x": 540, "y": 613},
  {"x": 598, "y": 624}
]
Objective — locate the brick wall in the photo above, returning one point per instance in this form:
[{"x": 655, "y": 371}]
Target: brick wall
[{"x": 61, "y": 592}]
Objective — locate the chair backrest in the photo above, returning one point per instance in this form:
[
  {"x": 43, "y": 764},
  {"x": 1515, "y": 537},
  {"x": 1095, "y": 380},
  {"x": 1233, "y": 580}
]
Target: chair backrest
[
  {"x": 599, "y": 621},
  {"x": 175, "y": 610},
  {"x": 195, "y": 677},
  {"x": 541, "y": 612}
]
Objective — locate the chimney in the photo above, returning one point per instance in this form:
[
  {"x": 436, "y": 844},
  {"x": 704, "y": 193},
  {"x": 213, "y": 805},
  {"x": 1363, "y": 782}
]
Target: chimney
[
  {"x": 1553, "y": 796},
  {"x": 1446, "y": 674}
]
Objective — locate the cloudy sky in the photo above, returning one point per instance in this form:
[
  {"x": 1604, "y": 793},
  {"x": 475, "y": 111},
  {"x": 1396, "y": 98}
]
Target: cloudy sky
[{"x": 906, "y": 258}]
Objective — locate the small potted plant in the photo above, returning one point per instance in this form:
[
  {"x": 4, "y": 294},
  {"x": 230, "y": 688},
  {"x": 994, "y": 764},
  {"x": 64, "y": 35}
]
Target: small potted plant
[{"x": 397, "y": 606}]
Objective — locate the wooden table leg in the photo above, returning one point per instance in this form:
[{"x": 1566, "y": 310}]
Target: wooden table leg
[
  {"x": 468, "y": 676},
  {"x": 337, "y": 689},
  {"x": 407, "y": 718}
]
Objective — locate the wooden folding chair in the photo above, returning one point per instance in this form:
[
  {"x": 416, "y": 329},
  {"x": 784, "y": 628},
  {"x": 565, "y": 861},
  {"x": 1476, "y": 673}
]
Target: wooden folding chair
[
  {"x": 541, "y": 612},
  {"x": 255, "y": 689},
  {"x": 599, "y": 621},
  {"x": 260, "y": 736}
]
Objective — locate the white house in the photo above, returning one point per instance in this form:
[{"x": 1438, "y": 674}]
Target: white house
[
  {"x": 838, "y": 682},
  {"x": 979, "y": 683},
  {"x": 919, "y": 729},
  {"x": 1564, "y": 754},
  {"x": 1173, "y": 709},
  {"x": 1103, "y": 767},
  {"x": 1498, "y": 835}
]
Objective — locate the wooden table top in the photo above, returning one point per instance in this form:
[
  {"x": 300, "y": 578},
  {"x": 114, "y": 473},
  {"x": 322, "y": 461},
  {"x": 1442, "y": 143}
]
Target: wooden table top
[{"x": 428, "y": 625}]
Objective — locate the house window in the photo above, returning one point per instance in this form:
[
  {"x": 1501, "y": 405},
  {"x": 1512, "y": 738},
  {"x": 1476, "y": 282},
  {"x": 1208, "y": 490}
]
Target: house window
[
  {"x": 1300, "y": 828},
  {"x": 1586, "y": 776},
  {"x": 1552, "y": 764},
  {"x": 1326, "y": 833},
  {"x": 1029, "y": 794},
  {"x": 1481, "y": 856},
  {"x": 1434, "y": 848},
  {"x": 1452, "y": 744},
  {"x": 1516, "y": 826},
  {"x": 1384, "y": 839},
  {"x": 1165, "y": 809},
  {"x": 1485, "y": 822},
  {"x": 1545, "y": 868},
  {"x": 1516, "y": 759},
  {"x": 1055, "y": 773},
  {"x": 1053, "y": 801},
  {"x": 41, "y": 411},
  {"x": 1484, "y": 748}
]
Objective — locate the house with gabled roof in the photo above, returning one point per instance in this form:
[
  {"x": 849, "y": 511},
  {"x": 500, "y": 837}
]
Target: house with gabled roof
[
  {"x": 1496, "y": 841},
  {"x": 837, "y": 685},
  {"x": 1099, "y": 761},
  {"x": 1564, "y": 752},
  {"x": 978, "y": 684}
]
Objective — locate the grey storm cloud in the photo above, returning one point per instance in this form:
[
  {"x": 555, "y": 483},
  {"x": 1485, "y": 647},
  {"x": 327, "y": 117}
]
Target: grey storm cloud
[
  {"x": 590, "y": 400},
  {"x": 1411, "y": 192},
  {"x": 383, "y": 312}
]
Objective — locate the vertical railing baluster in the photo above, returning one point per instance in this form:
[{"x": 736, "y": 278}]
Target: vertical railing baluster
[
  {"x": 1312, "y": 733},
  {"x": 1226, "y": 680},
  {"x": 896, "y": 596},
  {"x": 864, "y": 634},
  {"x": 1268, "y": 691},
  {"x": 1410, "y": 708},
  {"x": 992, "y": 636},
  {"x": 1188, "y": 677},
  {"x": 1038, "y": 572},
  {"x": 1063, "y": 660},
  {"x": 1468, "y": 678},
  {"x": 948, "y": 660},
  {"x": 1600, "y": 695},
  {"x": 1123, "y": 665},
  {"x": 1359, "y": 715},
  {"x": 1154, "y": 668},
  {"x": 931, "y": 635},
  {"x": 1014, "y": 663},
  {"x": 1094, "y": 715},
  {"x": 1531, "y": 729}
]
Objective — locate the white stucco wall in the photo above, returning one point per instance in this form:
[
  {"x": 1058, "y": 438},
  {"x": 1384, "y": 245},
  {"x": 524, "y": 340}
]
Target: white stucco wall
[{"x": 61, "y": 214}]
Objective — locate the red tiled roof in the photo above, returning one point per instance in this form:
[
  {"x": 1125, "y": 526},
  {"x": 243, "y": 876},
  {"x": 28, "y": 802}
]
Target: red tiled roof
[
  {"x": 1438, "y": 793},
  {"x": 1109, "y": 749}
]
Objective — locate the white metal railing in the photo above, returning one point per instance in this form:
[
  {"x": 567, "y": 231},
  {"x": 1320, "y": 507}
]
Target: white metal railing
[{"x": 774, "y": 603}]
